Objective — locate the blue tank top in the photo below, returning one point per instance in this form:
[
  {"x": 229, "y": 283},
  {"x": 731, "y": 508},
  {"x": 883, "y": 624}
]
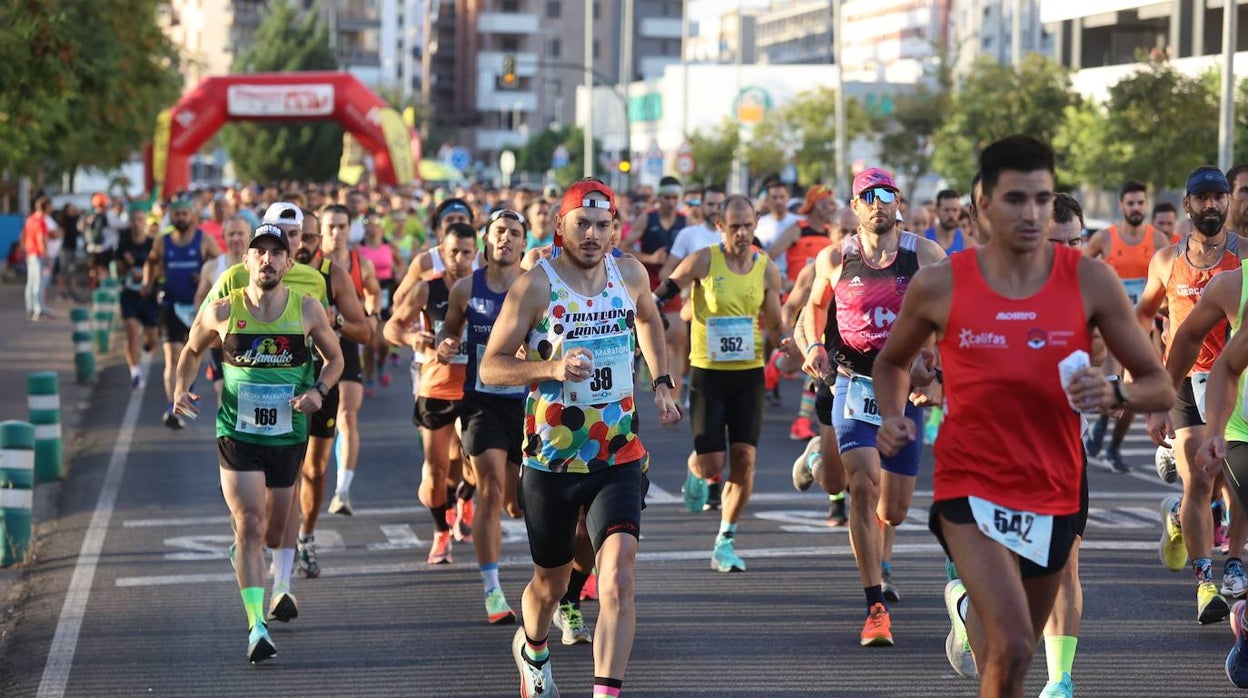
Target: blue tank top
[
  {"x": 957, "y": 245},
  {"x": 483, "y": 307},
  {"x": 182, "y": 266}
]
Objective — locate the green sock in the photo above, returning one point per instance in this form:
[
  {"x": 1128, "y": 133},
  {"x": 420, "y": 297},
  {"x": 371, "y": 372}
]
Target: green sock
[
  {"x": 951, "y": 570},
  {"x": 1059, "y": 655},
  {"x": 253, "y": 601}
]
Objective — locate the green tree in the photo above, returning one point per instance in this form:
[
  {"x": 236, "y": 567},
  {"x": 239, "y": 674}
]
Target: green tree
[
  {"x": 1159, "y": 124},
  {"x": 995, "y": 101},
  {"x": 907, "y": 135},
  {"x": 713, "y": 151},
  {"x": 535, "y": 156},
  {"x": 286, "y": 42},
  {"x": 80, "y": 83},
  {"x": 1087, "y": 153},
  {"x": 803, "y": 132}
]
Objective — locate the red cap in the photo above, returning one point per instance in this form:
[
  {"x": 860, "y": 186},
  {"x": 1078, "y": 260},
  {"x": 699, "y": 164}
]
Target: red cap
[
  {"x": 874, "y": 178},
  {"x": 814, "y": 195},
  {"x": 574, "y": 197}
]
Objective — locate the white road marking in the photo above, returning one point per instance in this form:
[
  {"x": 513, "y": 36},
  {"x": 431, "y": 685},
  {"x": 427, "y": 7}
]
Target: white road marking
[
  {"x": 398, "y": 537},
  {"x": 903, "y": 549},
  {"x": 65, "y": 641}
]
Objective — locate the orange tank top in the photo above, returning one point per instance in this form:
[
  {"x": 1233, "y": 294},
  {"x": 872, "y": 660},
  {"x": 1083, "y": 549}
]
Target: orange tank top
[
  {"x": 1009, "y": 434},
  {"x": 1131, "y": 261},
  {"x": 1184, "y": 287}
]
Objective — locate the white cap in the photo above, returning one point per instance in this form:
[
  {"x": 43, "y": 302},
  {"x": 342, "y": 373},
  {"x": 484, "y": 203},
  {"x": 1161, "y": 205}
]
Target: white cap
[{"x": 283, "y": 213}]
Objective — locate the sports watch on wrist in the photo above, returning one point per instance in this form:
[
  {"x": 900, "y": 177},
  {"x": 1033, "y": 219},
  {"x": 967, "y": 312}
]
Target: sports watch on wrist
[
  {"x": 321, "y": 388},
  {"x": 664, "y": 379},
  {"x": 1120, "y": 390}
]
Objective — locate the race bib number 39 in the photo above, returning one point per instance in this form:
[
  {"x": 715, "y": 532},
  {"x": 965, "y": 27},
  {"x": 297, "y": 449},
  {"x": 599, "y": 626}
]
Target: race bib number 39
[
  {"x": 1200, "y": 381},
  {"x": 1027, "y": 534},
  {"x": 264, "y": 409},
  {"x": 860, "y": 401},
  {"x": 730, "y": 338},
  {"x": 612, "y": 379}
]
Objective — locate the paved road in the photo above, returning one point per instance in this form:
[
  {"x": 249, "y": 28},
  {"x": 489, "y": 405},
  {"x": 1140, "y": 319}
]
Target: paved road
[{"x": 132, "y": 593}]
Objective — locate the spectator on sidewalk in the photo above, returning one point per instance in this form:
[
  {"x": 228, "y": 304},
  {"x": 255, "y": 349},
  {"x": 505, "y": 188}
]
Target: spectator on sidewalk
[{"x": 36, "y": 232}]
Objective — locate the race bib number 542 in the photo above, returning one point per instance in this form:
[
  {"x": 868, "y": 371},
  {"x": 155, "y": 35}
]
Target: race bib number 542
[{"x": 1027, "y": 534}]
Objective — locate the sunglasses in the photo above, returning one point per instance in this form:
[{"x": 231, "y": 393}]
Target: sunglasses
[{"x": 885, "y": 196}]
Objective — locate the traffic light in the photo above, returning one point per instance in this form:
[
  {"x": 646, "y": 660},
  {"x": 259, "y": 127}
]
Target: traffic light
[
  {"x": 508, "y": 79},
  {"x": 625, "y": 166}
]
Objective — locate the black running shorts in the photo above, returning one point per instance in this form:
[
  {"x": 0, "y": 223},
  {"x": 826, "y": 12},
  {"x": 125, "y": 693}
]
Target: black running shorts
[
  {"x": 433, "y": 413},
  {"x": 492, "y": 421},
  {"x": 612, "y": 498},
  {"x": 323, "y": 423},
  {"x": 1184, "y": 414},
  {"x": 1065, "y": 527},
  {"x": 280, "y": 464},
  {"x": 725, "y": 407}
]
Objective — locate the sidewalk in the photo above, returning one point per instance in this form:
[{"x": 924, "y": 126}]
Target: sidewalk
[{"x": 27, "y": 347}]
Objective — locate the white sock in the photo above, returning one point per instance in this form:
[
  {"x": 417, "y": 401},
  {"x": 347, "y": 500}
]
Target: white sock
[
  {"x": 489, "y": 576},
  {"x": 134, "y": 371},
  {"x": 344, "y": 481},
  {"x": 284, "y": 562}
]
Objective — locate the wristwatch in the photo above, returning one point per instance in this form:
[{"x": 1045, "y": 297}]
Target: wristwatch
[
  {"x": 664, "y": 379},
  {"x": 320, "y": 388},
  {"x": 1120, "y": 390},
  {"x": 339, "y": 321}
]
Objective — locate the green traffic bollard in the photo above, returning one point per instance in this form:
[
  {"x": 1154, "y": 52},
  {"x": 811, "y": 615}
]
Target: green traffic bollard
[
  {"x": 17, "y": 467},
  {"x": 43, "y": 397},
  {"x": 84, "y": 354}
]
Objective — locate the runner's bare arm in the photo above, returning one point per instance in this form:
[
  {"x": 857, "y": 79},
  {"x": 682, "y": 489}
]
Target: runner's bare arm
[
  {"x": 695, "y": 266},
  {"x": 525, "y": 302},
  {"x": 784, "y": 241},
  {"x": 401, "y": 329},
  {"x": 206, "y": 280},
  {"x": 414, "y": 273},
  {"x": 771, "y": 305},
  {"x": 1220, "y": 396},
  {"x": 153, "y": 266},
  {"x": 797, "y": 298},
  {"x": 372, "y": 289},
  {"x": 1220, "y": 301},
  {"x": 209, "y": 249},
  {"x": 447, "y": 341},
  {"x": 930, "y": 252},
  {"x": 814, "y": 316},
  {"x": 1154, "y": 293},
  {"x": 326, "y": 342},
  {"x": 1096, "y": 245},
  {"x": 205, "y": 332},
  {"x": 1110, "y": 311},
  {"x": 357, "y": 327}
]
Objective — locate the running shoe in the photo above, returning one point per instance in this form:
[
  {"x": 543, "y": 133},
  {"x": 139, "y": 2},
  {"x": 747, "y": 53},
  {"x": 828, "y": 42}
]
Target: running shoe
[
  {"x": 800, "y": 429},
  {"x": 1096, "y": 438},
  {"x": 384, "y": 380},
  {"x": 589, "y": 592},
  {"x": 233, "y": 556},
  {"x": 259, "y": 645},
  {"x": 695, "y": 492},
  {"x": 173, "y": 421},
  {"x": 1211, "y": 607},
  {"x": 305, "y": 558},
  {"x": 440, "y": 551},
  {"x": 1237, "y": 660},
  {"x": 1167, "y": 470},
  {"x": 714, "y": 491},
  {"x": 496, "y": 609},
  {"x": 369, "y": 389},
  {"x": 1114, "y": 458},
  {"x": 724, "y": 557},
  {"x": 136, "y": 381},
  {"x": 957, "y": 646},
  {"x": 1234, "y": 580},
  {"x": 568, "y": 618},
  {"x": 462, "y": 527},
  {"x": 1059, "y": 689},
  {"x": 890, "y": 591},
  {"x": 535, "y": 682},
  {"x": 877, "y": 631},
  {"x": 838, "y": 512},
  {"x": 284, "y": 608},
  {"x": 341, "y": 504},
  {"x": 1173, "y": 551},
  {"x": 804, "y": 466}
]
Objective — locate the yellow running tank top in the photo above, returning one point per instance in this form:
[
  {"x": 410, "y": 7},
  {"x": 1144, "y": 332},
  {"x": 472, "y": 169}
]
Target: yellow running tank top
[{"x": 726, "y": 333}]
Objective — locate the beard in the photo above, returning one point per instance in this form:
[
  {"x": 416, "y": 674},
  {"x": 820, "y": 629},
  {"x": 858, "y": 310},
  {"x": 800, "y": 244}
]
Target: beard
[
  {"x": 182, "y": 226},
  {"x": 881, "y": 227},
  {"x": 1134, "y": 219},
  {"x": 303, "y": 255},
  {"x": 270, "y": 283},
  {"x": 1209, "y": 224}
]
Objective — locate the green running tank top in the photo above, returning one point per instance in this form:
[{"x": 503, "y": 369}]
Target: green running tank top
[{"x": 266, "y": 365}]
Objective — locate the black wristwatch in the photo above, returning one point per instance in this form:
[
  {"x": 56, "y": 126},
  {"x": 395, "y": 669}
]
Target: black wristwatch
[
  {"x": 339, "y": 321},
  {"x": 664, "y": 379},
  {"x": 320, "y": 388},
  {"x": 1120, "y": 390}
]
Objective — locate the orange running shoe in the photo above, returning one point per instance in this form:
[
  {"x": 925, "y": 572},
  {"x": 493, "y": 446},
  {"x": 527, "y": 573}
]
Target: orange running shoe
[
  {"x": 878, "y": 630},
  {"x": 461, "y": 528},
  {"x": 440, "y": 551},
  {"x": 590, "y": 590}
]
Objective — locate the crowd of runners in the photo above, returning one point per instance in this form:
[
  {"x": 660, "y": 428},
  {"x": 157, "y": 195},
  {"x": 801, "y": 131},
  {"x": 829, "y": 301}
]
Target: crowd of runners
[{"x": 988, "y": 324}]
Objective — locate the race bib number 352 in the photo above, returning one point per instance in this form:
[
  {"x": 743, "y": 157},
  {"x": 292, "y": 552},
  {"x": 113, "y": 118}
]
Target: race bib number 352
[
  {"x": 730, "y": 338},
  {"x": 264, "y": 409}
]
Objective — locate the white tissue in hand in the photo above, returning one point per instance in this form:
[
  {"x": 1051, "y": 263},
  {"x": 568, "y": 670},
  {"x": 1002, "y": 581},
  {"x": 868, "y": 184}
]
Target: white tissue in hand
[{"x": 1067, "y": 368}]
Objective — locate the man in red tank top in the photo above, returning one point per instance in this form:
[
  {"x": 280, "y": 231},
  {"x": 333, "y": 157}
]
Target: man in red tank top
[
  {"x": 1179, "y": 275},
  {"x": 1008, "y": 458}
]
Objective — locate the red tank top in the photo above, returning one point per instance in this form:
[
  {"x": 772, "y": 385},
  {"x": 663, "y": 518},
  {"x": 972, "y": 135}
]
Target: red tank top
[
  {"x": 804, "y": 250},
  {"x": 1184, "y": 288},
  {"x": 1009, "y": 435},
  {"x": 357, "y": 276}
]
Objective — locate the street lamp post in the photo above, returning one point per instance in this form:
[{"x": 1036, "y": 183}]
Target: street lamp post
[{"x": 589, "y": 89}]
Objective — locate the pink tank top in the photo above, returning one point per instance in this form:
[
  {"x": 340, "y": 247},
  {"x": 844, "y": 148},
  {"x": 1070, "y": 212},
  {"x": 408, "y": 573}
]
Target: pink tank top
[{"x": 382, "y": 258}]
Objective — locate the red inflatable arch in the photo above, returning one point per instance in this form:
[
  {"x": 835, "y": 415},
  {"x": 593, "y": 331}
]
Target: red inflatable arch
[{"x": 306, "y": 96}]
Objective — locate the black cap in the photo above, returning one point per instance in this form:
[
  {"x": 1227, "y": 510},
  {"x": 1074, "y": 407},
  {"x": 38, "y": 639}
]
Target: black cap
[{"x": 268, "y": 231}]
